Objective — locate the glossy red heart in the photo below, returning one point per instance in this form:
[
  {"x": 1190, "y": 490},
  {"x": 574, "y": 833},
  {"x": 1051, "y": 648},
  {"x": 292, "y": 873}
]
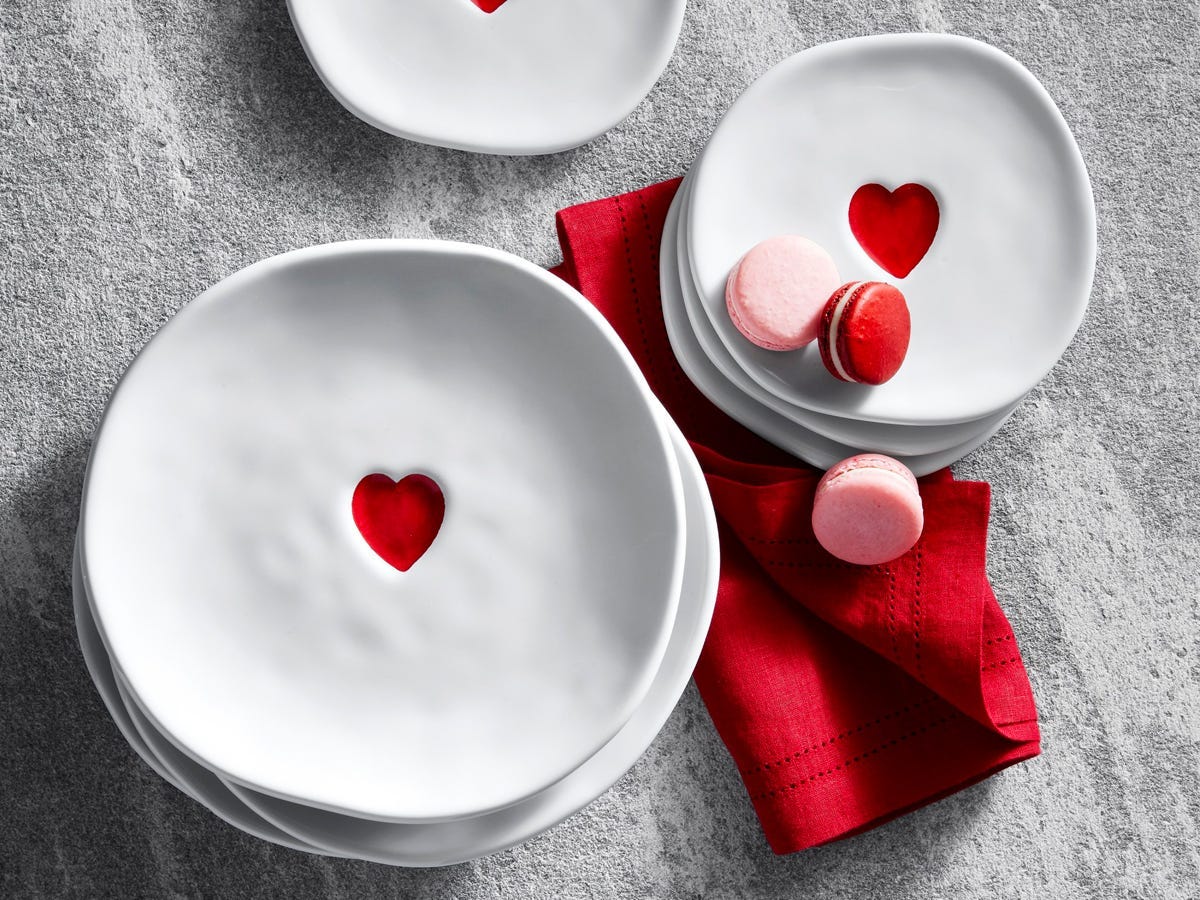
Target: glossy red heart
[
  {"x": 398, "y": 519},
  {"x": 489, "y": 6},
  {"x": 896, "y": 228}
]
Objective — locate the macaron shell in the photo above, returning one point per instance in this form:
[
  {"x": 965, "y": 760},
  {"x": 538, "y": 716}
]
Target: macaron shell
[
  {"x": 745, "y": 328},
  {"x": 867, "y": 510},
  {"x": 871, "y": 335},
  {"x": 777, "y": 291},
  {"x": 868, "y": 461}
]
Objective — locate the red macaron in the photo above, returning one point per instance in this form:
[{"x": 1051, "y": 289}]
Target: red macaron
[{"x": 864, "y": 332}]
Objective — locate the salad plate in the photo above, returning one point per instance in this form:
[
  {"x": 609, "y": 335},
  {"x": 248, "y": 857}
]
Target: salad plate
[
  {"x": 716, "y": 384},
  {"x": 879, "y": 437},
  {"x": 945, "y": 140}
]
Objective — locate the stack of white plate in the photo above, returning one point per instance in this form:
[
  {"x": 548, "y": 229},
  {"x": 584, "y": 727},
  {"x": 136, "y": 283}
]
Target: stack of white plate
[
  {"x": 996, "y": 299},
  {"x": 258, "y": 653}
]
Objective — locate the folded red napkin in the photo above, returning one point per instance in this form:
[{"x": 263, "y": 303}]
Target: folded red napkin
[{"x": 846, "y": 695}]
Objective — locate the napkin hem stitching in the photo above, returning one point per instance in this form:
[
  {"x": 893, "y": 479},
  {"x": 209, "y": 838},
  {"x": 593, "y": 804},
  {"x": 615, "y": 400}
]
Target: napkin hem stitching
[
  {"x": 847, "y": 763},
  {"x": 1000, "y": 663},
  {"x": 795, "y": 756},
  {"x": 633, "y": 287},
  {"x": 892, "y": 629},
  {"x": 917, "y": 619}
]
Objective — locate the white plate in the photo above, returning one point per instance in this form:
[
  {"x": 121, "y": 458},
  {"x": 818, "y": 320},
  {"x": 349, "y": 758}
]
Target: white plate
[
  {"x": 879, "y": 437},
  {"x": 716, "y": 384},
  {"x": 450, "y": 842},
  {"x": 898, "y": 441},
  {"x": 535, "y": 76},
  {"x": 260, "y": 633},
  {"x": 1006, "y": 282}
]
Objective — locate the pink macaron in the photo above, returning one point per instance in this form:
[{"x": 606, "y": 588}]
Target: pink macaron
[
  {"x": 777, "y": 292},
  {"x": 864, "y": 332},
  {"x": 867, "y": 510}
]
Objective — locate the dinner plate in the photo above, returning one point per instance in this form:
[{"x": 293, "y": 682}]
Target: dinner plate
[
  {"x": 714, "y": 382},
  {"x": 534, "y": 76},
  {"x": 1005, "y": 282},
  {"x": 879, "y": 437},
  {"x": 260, "y": 632},
  {"x": 444, "y": 843}
]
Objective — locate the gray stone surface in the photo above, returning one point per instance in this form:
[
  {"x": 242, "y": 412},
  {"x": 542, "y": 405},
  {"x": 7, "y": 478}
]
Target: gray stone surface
[{"x": 150, "y": 148}]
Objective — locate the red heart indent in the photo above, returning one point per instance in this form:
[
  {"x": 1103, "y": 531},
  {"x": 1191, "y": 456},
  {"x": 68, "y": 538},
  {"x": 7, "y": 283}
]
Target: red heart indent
[
  {"x": 398, "y": 519},
  {"x": 896, "y": 228}
]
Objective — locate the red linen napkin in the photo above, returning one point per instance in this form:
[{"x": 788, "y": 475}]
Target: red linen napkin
[{"x": 846, "y": 695}]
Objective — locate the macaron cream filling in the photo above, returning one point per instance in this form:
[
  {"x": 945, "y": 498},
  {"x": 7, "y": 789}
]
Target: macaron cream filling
[{"x": 834, "y": 321}]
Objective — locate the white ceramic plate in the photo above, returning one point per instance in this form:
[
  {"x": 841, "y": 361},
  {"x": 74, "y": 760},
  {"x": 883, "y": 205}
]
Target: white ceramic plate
[
  {"x": 451, "y": 842},
  {"x": 716, "y": 384},
  {"x": 1006, "y": 281},
  {"x": 535, "y": 76},
  {"x": 900, "y": 441},
  {"x": 255, "y": 626}
]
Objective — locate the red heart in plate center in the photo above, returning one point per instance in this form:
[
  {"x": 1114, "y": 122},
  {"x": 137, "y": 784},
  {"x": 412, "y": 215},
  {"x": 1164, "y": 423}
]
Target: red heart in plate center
[
  {"x": 489, "y": 6},
  {"x": 896, "y": 228},
  {"x": 398, "y": 519}
]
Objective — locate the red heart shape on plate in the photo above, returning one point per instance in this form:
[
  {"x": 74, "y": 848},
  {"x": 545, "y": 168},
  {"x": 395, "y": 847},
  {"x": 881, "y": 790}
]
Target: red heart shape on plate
[
  {"x": 398, "y": 519},
  {"x": 896, "y": 228},
  {"x": 489, "y": 6}
]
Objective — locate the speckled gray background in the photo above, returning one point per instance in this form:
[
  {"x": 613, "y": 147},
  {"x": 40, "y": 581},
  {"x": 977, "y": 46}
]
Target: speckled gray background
[{"x": 150, "y": 148}]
